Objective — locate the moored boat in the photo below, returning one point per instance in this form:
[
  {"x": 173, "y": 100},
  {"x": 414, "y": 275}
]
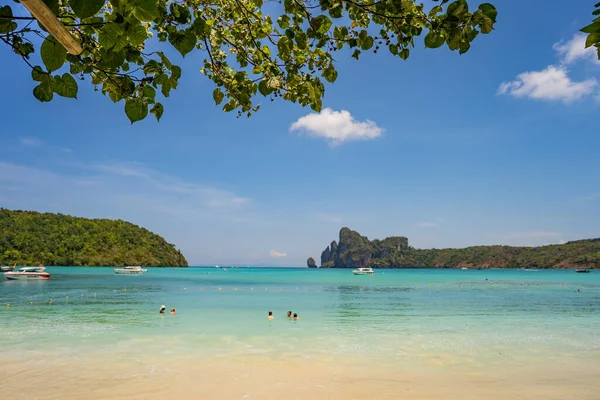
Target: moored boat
[
  {"x": 363, "y": 271},
  {"x": 583, "y": 271},
  {"x": 131, "y": 270},
  {"x": 28, "y": 274}
]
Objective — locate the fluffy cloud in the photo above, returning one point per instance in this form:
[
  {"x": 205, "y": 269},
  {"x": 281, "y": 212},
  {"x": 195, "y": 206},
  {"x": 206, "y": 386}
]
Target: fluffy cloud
[
  {"x": 336, "y": 126},
  {"x": 553, "y": 83},
  {"x": 276, "y": 254},
  {"x": 574, "y": 49}
]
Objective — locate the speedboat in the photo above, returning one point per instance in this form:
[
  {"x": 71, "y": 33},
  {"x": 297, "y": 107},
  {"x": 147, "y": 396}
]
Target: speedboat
[
  {"x": 134, "y": 270},
  {"x": 28, "y": 274},
  {"x": 583, "y": 271},
  {"x": 6, "y": 268},
  {"x": 363, "y": 271}
]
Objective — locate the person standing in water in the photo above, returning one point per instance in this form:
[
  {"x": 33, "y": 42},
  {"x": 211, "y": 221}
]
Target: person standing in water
[
  {"x": 162, "y": 309},
  {"x": 296, "y": 317},
  {"x": 172, "y": 311},
  {"x": 270, "y": 317},
  {"x": 289, "y": 314}
]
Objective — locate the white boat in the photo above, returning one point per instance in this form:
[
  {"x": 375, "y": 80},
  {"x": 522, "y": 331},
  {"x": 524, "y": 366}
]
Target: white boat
[
  {"x": 464, "y": 268},
  {"x": 134, "y": 270},
  {"x": 363, "y": 271},
  {"x": 28, "y": 274},
  {"x": 6, "y": 268}
]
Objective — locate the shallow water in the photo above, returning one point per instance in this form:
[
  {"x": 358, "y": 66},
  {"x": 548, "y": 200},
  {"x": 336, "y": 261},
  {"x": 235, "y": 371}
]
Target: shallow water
[{"x": 453, "y": 322}]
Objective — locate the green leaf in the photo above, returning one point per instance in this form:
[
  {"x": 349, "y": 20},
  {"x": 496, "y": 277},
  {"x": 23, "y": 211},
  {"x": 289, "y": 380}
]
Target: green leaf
[
  {"x": 75, "y": 68},
  {"x": 263, "y": 88},
  {"x": 592, "y": 39},
  {"x": 53, "y": 54},
  {"x": 230, "y": 106},
  {"x": 356, "y": 54},
  {"x": 157, "y": 110},
  {"x": 330, "y": 74},
  {"x": 148, "y": 94},
  {"x": 184, "y": 41},
  {"x": 137, "y": 34},
  {"x": 321, "y": 24},
  {"x": 433, "y": 40},
  {"x": 145, "y": 10},
  {"x": 6, "y": 25},
  {"x": 367, "y": 43},
  {"x": 86, "y": 8},
  {"x": 284, "y": 47},
  {"x": 175, "y": 72},
  {"x": 284, "y": 21},
  {"x": 393, "y": 49},
  {"x": 592, "y": 28},
  {"x": 166, "y": 62},
  {"x": 489, "y": 11},
  {"x": 43, "y": 92},
  {"x": 65, "y": 86},
  {"x": 111, "y": 35},
  {"x": 404, "y": 53},
  {"x": 135, "y": 110},
  {"x": 218, "y": 96},
  {"x": 38, "y": 74}
]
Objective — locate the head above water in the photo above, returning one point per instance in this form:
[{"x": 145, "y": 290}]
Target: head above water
[
  {"x": 295, "y": 315},
  {"x": 289, "y": 314},
  {"x": 270, "y": 312}
]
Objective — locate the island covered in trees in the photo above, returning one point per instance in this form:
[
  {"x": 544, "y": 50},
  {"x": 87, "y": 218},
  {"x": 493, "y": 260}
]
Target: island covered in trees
[
  {"x": 354, "y": 251},
  {"x": 28, "y": 237}
]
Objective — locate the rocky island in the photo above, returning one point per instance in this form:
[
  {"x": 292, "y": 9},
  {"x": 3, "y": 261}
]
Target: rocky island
[
  {"x": 29, "y": 238},
  {"x": 355, "y": 251}
]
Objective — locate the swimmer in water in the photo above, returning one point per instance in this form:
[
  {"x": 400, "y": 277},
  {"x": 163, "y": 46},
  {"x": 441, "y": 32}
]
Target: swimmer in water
[
  {"x": 270, "y": 317},
  {"x": 172, "y": 311},
  {"x": 296, "y": 317},
  {"x": 289, "y": 314},
  {"x": 162, "y": 309}
]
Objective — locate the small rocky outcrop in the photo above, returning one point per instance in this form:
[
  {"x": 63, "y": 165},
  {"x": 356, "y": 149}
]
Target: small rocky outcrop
[{"x": 311, "y": 263}]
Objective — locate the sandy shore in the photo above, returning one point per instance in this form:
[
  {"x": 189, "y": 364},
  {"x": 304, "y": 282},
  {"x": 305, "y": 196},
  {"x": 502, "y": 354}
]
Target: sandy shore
[{"x": 112, "y": 377}]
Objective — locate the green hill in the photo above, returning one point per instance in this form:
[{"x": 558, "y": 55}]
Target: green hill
[
  {"x": 28, "y": 237},
  {"x": 354, "y": 250}
]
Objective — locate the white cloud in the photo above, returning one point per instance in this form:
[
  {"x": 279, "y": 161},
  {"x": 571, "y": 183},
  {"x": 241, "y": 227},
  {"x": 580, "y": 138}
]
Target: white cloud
[
  {"x": 574, "y": 49},
  {"x": 276, "y": 254},
  {"x": 30, "y": 141},
  {"x": 336, "y": 126},
  {"x": 427, "y": 224},
  {"x": 553, "y": 83}
]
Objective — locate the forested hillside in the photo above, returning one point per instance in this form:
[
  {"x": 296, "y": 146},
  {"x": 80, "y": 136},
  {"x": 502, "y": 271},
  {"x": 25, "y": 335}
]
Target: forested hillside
[{"x": 28, "y": 237}]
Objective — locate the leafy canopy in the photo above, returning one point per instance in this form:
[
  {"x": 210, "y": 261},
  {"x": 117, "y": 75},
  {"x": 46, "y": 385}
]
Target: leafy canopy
[
  {"x": 593, "y": 30},
  {"x": 285, "y": 54}
]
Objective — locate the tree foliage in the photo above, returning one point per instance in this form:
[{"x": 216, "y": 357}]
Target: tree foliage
[
  {"x": 30, "y": 238},
  {"x": 284, "y": 49},
  {"x": 355, "y": 250},
  {"x": 593, "y": 30}
]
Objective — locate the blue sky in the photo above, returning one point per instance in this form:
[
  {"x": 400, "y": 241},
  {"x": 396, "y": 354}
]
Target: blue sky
[{"x": 497, "y": 146}]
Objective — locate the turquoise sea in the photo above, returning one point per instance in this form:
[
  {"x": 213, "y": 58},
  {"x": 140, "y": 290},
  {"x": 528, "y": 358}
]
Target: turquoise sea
[{"x": 417, "y": 319}]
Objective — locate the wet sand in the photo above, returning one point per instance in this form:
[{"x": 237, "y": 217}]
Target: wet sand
[{"x": 116, "y": 377}]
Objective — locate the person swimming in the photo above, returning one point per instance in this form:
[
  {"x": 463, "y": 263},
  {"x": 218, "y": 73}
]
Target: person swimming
[
  {"x": 162, "y": 309},
  {"x": 172, "y": 311},
  {"x": 296, "y": 317},
  {"x": 289, "y": 314},
  {"x": 270, "y": 317}
]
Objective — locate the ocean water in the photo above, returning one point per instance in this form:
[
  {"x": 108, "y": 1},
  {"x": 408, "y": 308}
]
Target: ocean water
[{"x": 417, "y": 319}]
